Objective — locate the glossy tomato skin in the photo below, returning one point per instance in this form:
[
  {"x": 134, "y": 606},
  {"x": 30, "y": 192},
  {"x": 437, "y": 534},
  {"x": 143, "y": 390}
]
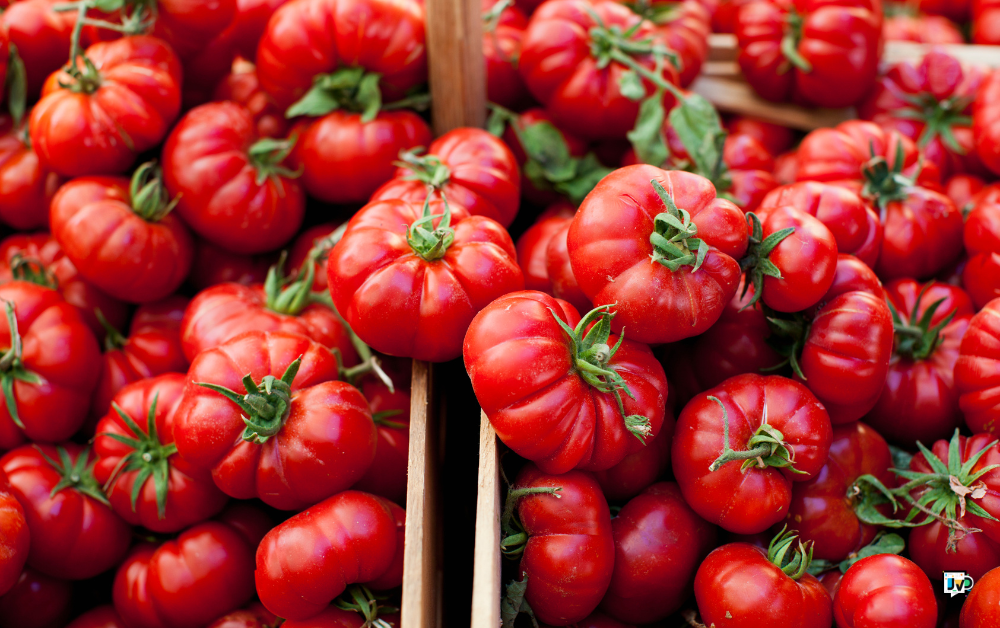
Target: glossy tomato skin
[
  {"x": 806, "y": 259},
  {"x": 501, "y": 47},
  {"x": 308, "y": 560},
  {"x": 58, "y": 346},
  {"x": 187, "y": 26},
  {"x": 884, "y": 590},
  {"x": 979, "y": 277},
  {"x": 641, "y": 469},
  {"x": 559, "y": 268},
  {"x": 113, "y": 247},
  {"x": 77, "y": 134},
  {"x": 241, "y": 86},
  {"x": 386, "y": 477},
  {"x": 924, "y": 29},
  {"x": 985, "y": 22},
  {"x": 775, "y": 138},
  {"x": 190, "y": 497},
  {"x": 26, "y": 187},
  {"x": 42, "y": 37},
  {"x": 659, "y": 542},
  {"x": 36, "y": 601},
  {"x": 982, "y": 608},
  {"x": 518, "y": 358},
  {"x": 222, "y": 191},
  {"x": 213, "y": 265},
  {"x": 982, "y": 243},
  {"x": 747, "y": 502},
  {"x": 533, "y": 244},
  {"x": 985, "y": 117},
  {"x": 977, "y": 369},
  {"x": 610, "y": 250},
  {"x": 101, "y": 617},
  {"x": 15, "y": 538}
]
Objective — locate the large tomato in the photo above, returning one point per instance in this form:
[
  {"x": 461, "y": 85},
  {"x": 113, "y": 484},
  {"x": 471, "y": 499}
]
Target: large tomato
[
  {"x": 101, "y": 617},
  {"x": 15, "y": 539},
  {"x": 923, "y": 29},
  {"x": 884, "y": 590},
  {"x": 586, "y": 402},
  {"x": 641, "y": 469},
  {"x": 42, "y": 37},
  {"x": 386, "y": 477},
  {"x": 982, "y": 608},
  {"x": 684, "y": 26},
  {"x": 49, "y": 368},
  {"x": 121, "y": 236},
  {"x": 120, "y": 105},
  {"x": 503, "y": 30},
  {"x": 981, "y": 275},
  {"x": 977, "y": 371},
  {"x": 532, "y": 246},
  {"x": 230, "y": 185},
  {"x": 26, "y": 187},
  {"x": 36, "y": 601},
  {"x": 148, "y": 483},
  {"x": 778, "y": 433},
  {"x": 241, "y": 86},
  {"x": 74, "y": 533},
  {"x": 986, "y": 22},
  {"x": 694, "y": 239}
]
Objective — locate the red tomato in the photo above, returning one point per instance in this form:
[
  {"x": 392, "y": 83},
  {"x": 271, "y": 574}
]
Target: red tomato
[
  {"x": 308, "y": 560},
  {"x": 149, "y": 484},
  {"x": 884, "y": 590},
  {"x": 977, "y": 369},
  {"x": 53, "y": 365},
  {"x": 980, "y": 277},
  {"x": 755, "y": 412},
  {"x": 982, "y": 608},
  {"x": 26, "y": 187},
  {"x": 743, "y": 585},
  {"x": 560, "y": 416},
  {"x": 559, "y": 268},
  {"x": 241, "y": 86},
  {"x": 386, "y": 477},
  {"x": 467, "y": 167},
  {"x": 213, "y": 265},
  {"x": 231, "y": 186},
  {"x": 610, "y": 246},
  {"x": 303, "y": 249},
  {"x": 533, "y": 244},
  {"x": 249, "y": 24},
  {"x": 659, "y": 542},
  {"x": 36, "y": 601},
  {"x": 724, "y": 15},
  {"x": 962, "y": 189},
  {"x": 502, "y": 35},
  {"x": 410, "y": 292},
  {"x": 42, "y": 38},
  {"x": 986, "y": 22},
  {"x": 639, "y": 470},
  {"x": 986, "y": 117},
  {"x": 120, "y": 108},
  {"x": 775, "y": 138},
  {"x": 685, "y": 27},
  {"x": 188, "y": 25},
  {"x": 336, "y": 617},
  {"x": 960, "y": 11},
  {"x": 15, "y": 539},
  {"x": 982, "y": 242},
  {"x": 253, "y": 616},
  {"x": 101, "y": 617},
  {"x": 820, "y": 53},
  {"x": 924, "y": 29},
  {"x": 786, "y": 167}
]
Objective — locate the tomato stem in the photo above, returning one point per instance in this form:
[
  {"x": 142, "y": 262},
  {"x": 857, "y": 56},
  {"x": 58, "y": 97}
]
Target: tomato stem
[
  {"x": 915, "y": 339},
  {"x": 113, "y": 339},
  {"x": 757, "y": 262},
  {"x": 428, "y": 242},
  {"x": 149, "y": 197},
  {"x": 11, "y": 367},
  {"x": 790, "y": 42},
  {"x": 78, "y": 475},
  {"x": 885, "y": 184},
  {"x": 796, "y": 565},
  {"x": 766, "y": 448},
  {"x": 515, "y": 537},
  {"x": 265, "y": 406},
  {"x": 32, "y": 270},
  {"x": 674, "y": 236},
  {"x": 360, "y": 599}
]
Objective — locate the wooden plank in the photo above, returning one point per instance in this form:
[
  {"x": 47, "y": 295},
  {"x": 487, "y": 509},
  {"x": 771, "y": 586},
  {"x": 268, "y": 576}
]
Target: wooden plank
[
  {"x": 422, "y": 577},
  {"x": 486, "y": 579},
  {"x": 456, "y": 69},
  {"x": 735, "y": 96}
]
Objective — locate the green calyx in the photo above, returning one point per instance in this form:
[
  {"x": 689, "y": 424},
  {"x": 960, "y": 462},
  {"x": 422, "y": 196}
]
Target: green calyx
[
  {"x": 113, "y": 339},
  {"x": 674, "y": 238},
  {"x": 150, "y": 200},
  {"x": 790, "y": 42},
  {"x": 757, "y": 262},
  {"x": 766, "y": 448},
  {"x": 148, "y": 458},
  {"x": 939, "y": 116},
  {"x": 427, "y": 169},
  {"x": 885, "y": 184},
  {"x": 12, "y": 369},
  {"x": 660, "y": 13},
  {"x": 427, "y": 241},
  {"x": 289, "y": 295},
  {"x": 77, "y": 475},
  {"x": 794, "y": 564},
  {"x": 266, "y": 156},
  {"x": 514, "y": 536},
  {"x": 592, "y": 356},
  {"x": 915, "y": 338},
  {"x": 348, "y": 89},
  {"x": 360, "y": 599},
  {"x": 788, "y": 338},
  {"x": 265, "y": 406},
  {"x": 33, "y": 271}
]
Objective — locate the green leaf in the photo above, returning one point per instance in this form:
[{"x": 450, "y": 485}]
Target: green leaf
[
  {"x": 647, "y": 136},
  {"x": 17, "y": 86},
  {"x": 369, "y": 96},
  {"x": 589, "y": 172},
  {"x": 884, "y": 543},
  {"x": 316, "y": 102},
  {"x": 108, "y": 6},
  {"x": 545, "y": 145},
  {"x": 699, "y": 129},
  {"x": 900, "y": 457},
  {"x": 631, "y": 86},
  {"x": 514, "y": 604}
]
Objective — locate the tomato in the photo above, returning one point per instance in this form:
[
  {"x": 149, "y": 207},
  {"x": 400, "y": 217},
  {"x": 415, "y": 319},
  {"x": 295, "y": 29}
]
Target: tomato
[
  {"x": 115, "y": 110},
  {"x": 659, "y": 542},
  {"x": 924, "y": 29},
  {"x": 120, "y": 235},
  {"x": 775, "y": 138},
  {"x": 26, "y": 187},
  {"x": 919, "y": 401},
  {"x": 52, "y": 362},
  {"x": 101, "y": 617},
  {"x": 823, "y": 54},
  {"x": 824, "y": 510},
  {"x": 566, "y": 64},
  {"x": 980, "y": 277},
  {"x": 186, "y": 582},
  {"x": 563, "y": 536},
  {"x": 985, "y": 22},
  {"x": 977, "y": 369},
  {"x": 755, "y": 412},
  {"x": 533, "y": 244},
  {"x": 884, "y": 590},
  {"x": 743, "y": 585},
  {"x": 786, "y": 167},
  {"x": 639, "y": 470},
  {"x": 559, "y": 268},
  {"x": 313, "y": 245},
  {"x": 241, "y": 86},
  {"x": 411, "y": 292},
  {"x": 360, "y": 615},
  {"x": 982, "y": 243},
  {"x": 467, "y": 167},
  {"x": 724, "y": 15},
  {"x": 503, "y": 30},
  {"x": 386, "y": 477},
  {"x": 253, "y": 616},
  {"x": 15, "y": 539},
  {"x": 930, "y": 102},
  {"x": 684, "y": 26},
  {"x": 962, "y": 189},
  {"x": 560, "y": 413},
  {"x": 36, "y": 601},
  {"x": 74, "y": 533},
  {"x": 955, "y": 11},
  {"x": 42, "y": 38},
  {"x": 349, "y": 538},
  {"x": 213, "y": 265},
  {"x": 610, "y": 247},
  {"x": 149, "y": 484},
  {"x": 231, "y": 186},
  {"x": 982, "y": 608}
]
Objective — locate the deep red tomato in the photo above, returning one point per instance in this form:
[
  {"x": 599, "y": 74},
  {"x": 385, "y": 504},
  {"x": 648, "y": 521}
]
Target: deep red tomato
[
  {"x": 560, "y": 413},
  {"x": 659, "y": 542},
  {"x": 469, "y": 168},
  {"x": 186, "y": 582},
  {"x": 823, "y": 510},
  {"x": 820, "y": 53},
  {"x": 503, "y": 30},
  {"x": 724, "y": 15},
  {"x": 533, "y": 244},
  {"x": 684, "y": 26},
  {"x": 74, "y": 533},
  {"x": 308, "y": 560},
  {"x": 15, "y": 539},
  {"x": 611, "y": 241},
  {"x": 304, "y": 248},
  {"x": 241, "y": 86},
  {"x": 744, "y": 485},
  {"x": 639, "y": 470},
  {"x": 986, "y": 116},
  {"x": 26, "y": 187},
  {"x": 982, "y": 608},
  {"x": 560, "y": 271},
  {"x": 249, "y": 24},
  {"x": 230, "y": 185},
  {"x": 101, "y": 617},
  {"x": 148, "y": 483},
  {"x": 743, "y": 585},
  {"x": 919, "y": 401},
  {"x": 982, "y": 243},
  {"x": 986, "y": 22},
  {"x": 52, "y": 361},
  {"x": 386, "y": 477},
  {"x": 774, "y": 137},
  {"x": 42, "y": 38},
  {"x": 254, "y": 615},
  {"x": 120, "y": 107},
  {"x": 923, "y": 29},
  {"x": 36, "y": 601},
  {"x": 960, "y": 11},
  {"x": 962, "y": 189},
  {"x": 884, "y": 590},
  {"x": 977, "y": 370},
  {"x": 408, "y": 291},
  {"x": 213, "y": 265}
]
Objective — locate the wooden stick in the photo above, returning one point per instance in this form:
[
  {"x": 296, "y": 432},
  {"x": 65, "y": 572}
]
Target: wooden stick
[
  {"x": 457, "y": 69},
  {"x": 486, "y": 579},
  {"x": 735, "y": 96}
]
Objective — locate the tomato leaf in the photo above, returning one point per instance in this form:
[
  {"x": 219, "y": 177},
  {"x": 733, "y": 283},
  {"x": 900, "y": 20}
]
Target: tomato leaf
[
  {"x": 699, "y": 129},
  {"x": 647, "y": 136},
  {"x": 883, "y": 543},
  {"x": 631, "y": 85},
  {"x": 548, "y": 154},
  {"x": 589, "y": 172},
  {"x": 514, "y": 604}
]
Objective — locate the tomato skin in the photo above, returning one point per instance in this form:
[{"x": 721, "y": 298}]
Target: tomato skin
[
  {"x": 751, "y": 501},
  {"x": 26, "y": 188},
  {"x": 532, "y": 246},
  {"x": 253, "y": 616},
  {"x": 610, "y": 252},
  {"x": 775, "y": 138},
  {"x": 36, "y": 601},
  {"x": 191, "y": 495},
  {"x": 101, "y": 617},
  {"x": 42, "y": 37},
  {"x": 77, "y": 134},
  {"x": 15, "y": 538},
  {"x": 884, "y": 590},
  {"x": 977, "y": 368},
  {"x": 60, "y": 348},
  {"x": 982, "y": 242},
  {"x": 982, "y": 607},
  {"x": 963, "y": 188},
  {"x": 188, "y": 24},
  {"x": 501, "y": 47},
  {"x": 975, "y": 554},
  {"x": 386, "y": 477},
  {"x": 985, "y": 21},
  {"x": 548, "y": 413},
  {"x": 807, "y": 260},
  {"x": 924, "y": 29},
  {"x": 213, "y": 265},
  {"x": 639, "y": 470},
  {"x": 685, "y": 30},
  {"x": 308, "y": 560},
  {"x": 344, "y": 160},
  {"x": 659, "y": 542},
  {"x": 333, "y": 617},
  {"x": 241, "y": 86},
  {"x": 559, "y": 268},
  {"x": 819, "y": 510},
  {"x": 979, "y": 277}
]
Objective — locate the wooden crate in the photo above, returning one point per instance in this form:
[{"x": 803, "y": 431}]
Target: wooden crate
[{"x": 486, "y": 579}]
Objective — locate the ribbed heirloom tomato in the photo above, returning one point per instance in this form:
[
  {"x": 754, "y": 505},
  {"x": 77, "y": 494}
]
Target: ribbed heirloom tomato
[
  {"x": 886, "y": 591},
  {"x": 981, "y": 275},
  {"x": 26, "y": 187},
  {"x": 15, "y": 539},
  {"x": 977, "y": 371}
]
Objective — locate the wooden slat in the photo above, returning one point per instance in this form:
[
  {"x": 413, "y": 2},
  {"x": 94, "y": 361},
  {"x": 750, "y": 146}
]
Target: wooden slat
[
  {"x": 421, "y": 604},
  {"x": 735, "y": 96},
  {"x": 457, "y": 69},
  {"x": 486, "y": 572}
]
